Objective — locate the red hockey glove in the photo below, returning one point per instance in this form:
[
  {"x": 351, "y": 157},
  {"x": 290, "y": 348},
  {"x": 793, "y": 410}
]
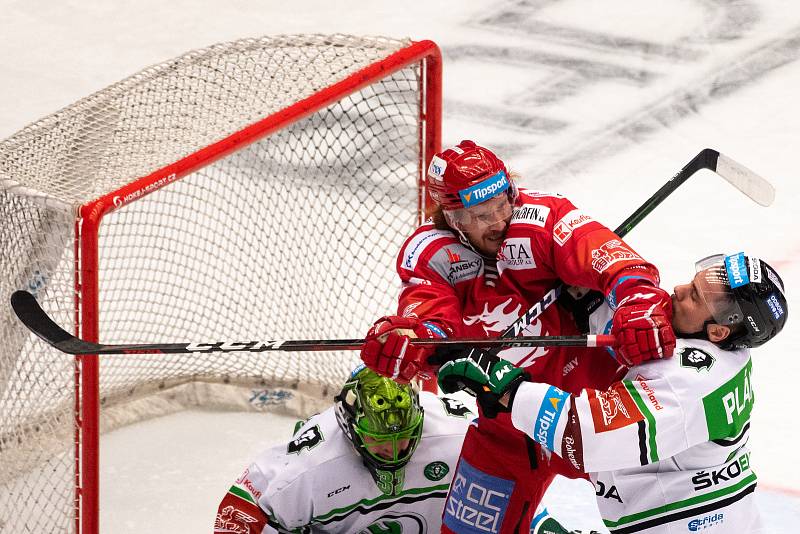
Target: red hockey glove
[
  {"x": 388, "y": 350},
  {"x": 641, "y": 325}
]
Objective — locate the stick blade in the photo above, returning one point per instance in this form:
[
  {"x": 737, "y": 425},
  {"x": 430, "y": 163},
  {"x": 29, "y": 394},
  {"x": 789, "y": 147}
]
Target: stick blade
[
  {"x": 37, "y": 321},
  {"x": 746, "y": 181}
]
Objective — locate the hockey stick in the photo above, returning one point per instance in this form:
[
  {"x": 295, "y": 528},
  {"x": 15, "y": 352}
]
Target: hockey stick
[
  {"x": 754, "y": 186},
  {"x": 36, "y": 319}
]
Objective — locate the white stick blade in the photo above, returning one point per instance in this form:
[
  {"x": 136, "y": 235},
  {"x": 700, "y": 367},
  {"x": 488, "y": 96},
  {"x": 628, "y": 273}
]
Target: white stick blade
[{"x": 746, "y": 181}]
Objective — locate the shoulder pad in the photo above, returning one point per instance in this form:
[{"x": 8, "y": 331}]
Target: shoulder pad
[
  {"x": 415, "y": 247},
  {"x": 456, "y": 263}
]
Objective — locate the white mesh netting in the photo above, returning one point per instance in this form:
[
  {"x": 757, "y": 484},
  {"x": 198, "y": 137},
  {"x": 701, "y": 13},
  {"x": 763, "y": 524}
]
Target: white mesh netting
[{"x": 293, "y": 236}]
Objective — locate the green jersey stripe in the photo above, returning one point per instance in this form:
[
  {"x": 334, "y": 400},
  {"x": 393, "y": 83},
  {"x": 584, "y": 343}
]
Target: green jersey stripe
[
  {"x": 685, "y": 513},
  {"x": 242, "y": 494},
  {"x": 383, "y": 501},
  {"x": 686, "y": 503},
  {"x": 651, "y": 421}
]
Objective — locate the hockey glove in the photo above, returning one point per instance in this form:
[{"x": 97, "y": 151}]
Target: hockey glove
[
  {"x": 388, "y": 350},
  {"x": 641, "y": 325},
  {"x": 489, "y": 378}
]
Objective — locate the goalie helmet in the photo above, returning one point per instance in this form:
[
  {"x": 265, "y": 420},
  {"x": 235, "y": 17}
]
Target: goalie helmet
[
  {"x": 383, "y": 421},
  {"x": 465, "y": 175},
  {"x": 746, "y": 291}
]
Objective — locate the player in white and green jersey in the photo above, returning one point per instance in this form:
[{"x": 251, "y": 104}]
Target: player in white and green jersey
[
  {"x": 380, "y": 460},
  {"x": 666, "y": 445}
]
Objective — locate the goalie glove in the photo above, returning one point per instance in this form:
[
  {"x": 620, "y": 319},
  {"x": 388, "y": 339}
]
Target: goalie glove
[{"x": 492, "y": 380}]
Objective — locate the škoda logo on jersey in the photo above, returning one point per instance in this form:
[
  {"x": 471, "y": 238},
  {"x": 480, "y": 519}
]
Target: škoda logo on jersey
[{"x": 613, "y": 409}]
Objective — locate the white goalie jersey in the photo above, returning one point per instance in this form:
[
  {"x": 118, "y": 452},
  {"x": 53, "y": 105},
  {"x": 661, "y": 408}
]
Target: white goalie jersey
[
  {"x": 666, "y": 446},
  {"x": 317, "y": 482}
]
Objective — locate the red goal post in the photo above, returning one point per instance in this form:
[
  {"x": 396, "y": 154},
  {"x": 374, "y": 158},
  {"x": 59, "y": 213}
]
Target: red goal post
[{"x": 258, "y": 188}]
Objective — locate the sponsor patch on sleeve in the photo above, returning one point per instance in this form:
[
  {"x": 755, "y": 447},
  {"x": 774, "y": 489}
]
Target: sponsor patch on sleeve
[
  {"x": 611, "y": 252},
  {"x": 563, "y": 229},
  {"x": 544, "y": 430},
  {"x": 613, "y": 408},
  {"x": 572, "y": 443}
]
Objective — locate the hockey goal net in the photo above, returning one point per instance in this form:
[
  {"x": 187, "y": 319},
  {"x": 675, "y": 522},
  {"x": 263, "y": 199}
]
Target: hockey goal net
[{"x": 251, "y": 190}]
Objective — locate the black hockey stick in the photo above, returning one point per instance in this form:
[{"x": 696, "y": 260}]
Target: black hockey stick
[
  {"x": 739, "y": 176},
  {"x": 36, "y": 319}
]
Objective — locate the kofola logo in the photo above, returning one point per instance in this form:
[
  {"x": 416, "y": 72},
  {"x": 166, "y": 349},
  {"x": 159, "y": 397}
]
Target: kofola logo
[{"x": 484, "y": 190}]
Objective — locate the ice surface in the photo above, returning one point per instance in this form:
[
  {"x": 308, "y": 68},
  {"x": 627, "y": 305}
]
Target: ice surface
[{"x": 603, "y": 104}]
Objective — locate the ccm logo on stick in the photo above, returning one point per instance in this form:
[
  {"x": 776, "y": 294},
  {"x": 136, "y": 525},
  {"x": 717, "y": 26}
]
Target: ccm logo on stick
[{"x": 252, "y": 346}]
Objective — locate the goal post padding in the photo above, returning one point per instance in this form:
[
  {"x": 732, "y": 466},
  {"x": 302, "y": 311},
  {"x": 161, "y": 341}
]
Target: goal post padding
[{"x": 250, "y": 190}]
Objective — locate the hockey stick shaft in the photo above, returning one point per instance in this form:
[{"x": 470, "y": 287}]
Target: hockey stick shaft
[
  {"x": 754, "y": 186},
  {"x": 36, "y": 319}
]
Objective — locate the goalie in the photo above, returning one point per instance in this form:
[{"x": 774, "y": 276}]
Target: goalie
[{"x": 381, "y": 459}]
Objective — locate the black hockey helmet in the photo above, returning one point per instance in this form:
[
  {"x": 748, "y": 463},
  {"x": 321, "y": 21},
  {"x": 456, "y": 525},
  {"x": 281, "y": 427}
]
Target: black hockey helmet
[
  {"x": 383, "y": 420},
  {"x": 744, "y": 291}
]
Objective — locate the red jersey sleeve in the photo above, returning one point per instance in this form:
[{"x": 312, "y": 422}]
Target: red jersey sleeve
[
  {"x": 585, "y": 253},
  {"x": 427, "y": 291}
]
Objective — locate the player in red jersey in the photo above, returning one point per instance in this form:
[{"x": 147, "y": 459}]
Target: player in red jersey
[{"x": 490, "y": 252}]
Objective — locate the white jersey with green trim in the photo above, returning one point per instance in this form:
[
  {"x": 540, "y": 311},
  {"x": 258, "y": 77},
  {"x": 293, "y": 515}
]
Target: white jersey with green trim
[
  {"x": 318, "y": 483},
  {"x": 666, "y": 446}
]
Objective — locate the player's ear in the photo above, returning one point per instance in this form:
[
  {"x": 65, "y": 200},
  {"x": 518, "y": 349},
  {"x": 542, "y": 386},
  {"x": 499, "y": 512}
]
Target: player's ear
[{"x": 717, "y": 332}]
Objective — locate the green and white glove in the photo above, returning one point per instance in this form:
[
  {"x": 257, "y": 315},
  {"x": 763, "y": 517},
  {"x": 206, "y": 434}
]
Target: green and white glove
[{"x": 481, "y": 373}]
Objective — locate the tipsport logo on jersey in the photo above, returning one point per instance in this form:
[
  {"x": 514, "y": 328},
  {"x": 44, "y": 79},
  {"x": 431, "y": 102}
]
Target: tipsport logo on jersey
[
  {"x": 477, "y": 502},
  {"x": 484, "y": 190}
]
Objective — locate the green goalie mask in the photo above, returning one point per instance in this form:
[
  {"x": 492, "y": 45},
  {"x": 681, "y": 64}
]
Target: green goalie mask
[{"x": 383, "y": 420}]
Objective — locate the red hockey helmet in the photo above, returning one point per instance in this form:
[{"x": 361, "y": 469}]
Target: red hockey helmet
[{"x": 465, "y": 175}]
